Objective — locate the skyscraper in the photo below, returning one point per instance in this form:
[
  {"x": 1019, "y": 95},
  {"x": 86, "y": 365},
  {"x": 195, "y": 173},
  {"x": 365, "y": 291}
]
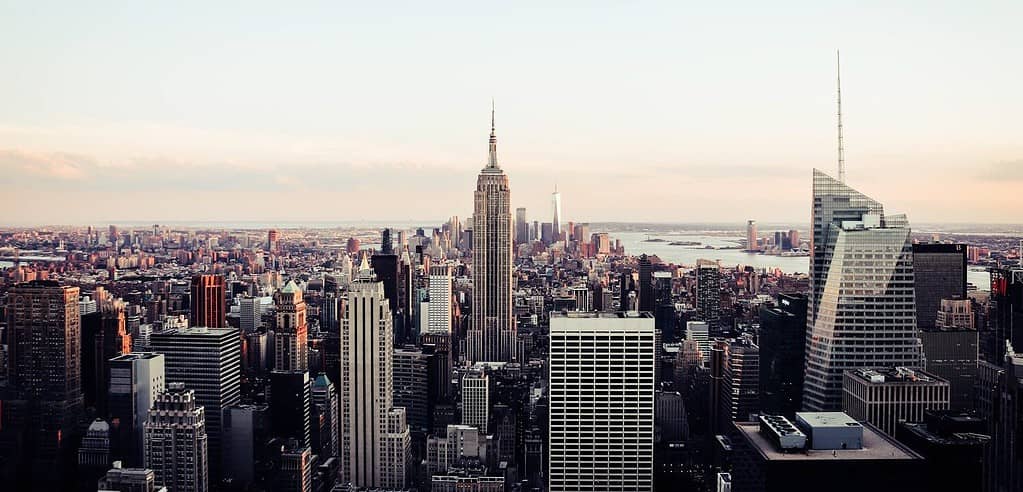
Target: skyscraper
[
  {"x": 1006, "y": 313},
  {"x": 476, "y": 400},
  {"x": 556, "y": 208},
  {"x": 208, "y": 361},
  {"x": 207, "y": 301},
  {"x": 751, "y": 236},
  {"x": 708, "y": 294},
  {"x": 491, "y": 334},
  {"x": 291, "y": 402},
  {"x": 272, "y": 240},
  {"x": 601, "y": 430},
  {"x": 326, "y": 427},
  {"x": 861, "y": 310},
  {"x": 939, "y": 272},
  {"x": 44, "y": 372},
  {"x": 646, "y": 284},
  {"x": 135, "y": 381},
  {"x": 782, "y": 343},
  {"x": 439, "y": 313},
  {"x": 521, "y": 226},
  {"x": 291, "y": 343},
  {"x": 374, "y": 434},
  {"x": 176, "y": 441}
]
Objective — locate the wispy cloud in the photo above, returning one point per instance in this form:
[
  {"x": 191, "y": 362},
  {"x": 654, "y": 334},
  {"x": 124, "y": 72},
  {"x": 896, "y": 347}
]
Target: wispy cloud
[
  {"x": 56, "y": 165},
  {"x": 1010, "y": 170}
]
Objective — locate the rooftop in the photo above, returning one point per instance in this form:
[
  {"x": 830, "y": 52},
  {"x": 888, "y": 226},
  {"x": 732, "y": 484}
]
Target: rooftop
[
  {"x": 876, "y": 446},
  {"x": 895, "y": 375},
  {"x": 591, "y": 314}
]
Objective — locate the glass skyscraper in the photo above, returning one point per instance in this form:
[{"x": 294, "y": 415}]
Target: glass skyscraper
[{"x": 861, "y": 309}]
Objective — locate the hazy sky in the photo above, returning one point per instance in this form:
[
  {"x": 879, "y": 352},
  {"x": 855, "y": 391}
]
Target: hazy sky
[{"x": 378, "y": 110}]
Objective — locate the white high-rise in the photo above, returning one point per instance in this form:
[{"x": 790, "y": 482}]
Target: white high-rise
[
  {"x": 861, "y": 310},
  {"x": 439, "y": 310},
  {"x": 476, "y": 399},
  {"x": 601, "y": 430},
  {"x": 491, "y": 336},
  {"x": 374, "y": 435}
]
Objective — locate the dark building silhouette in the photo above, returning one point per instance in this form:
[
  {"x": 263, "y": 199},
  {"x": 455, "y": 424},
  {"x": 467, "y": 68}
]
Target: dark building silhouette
[
  {"x": 290, "y": 406},
  {"x": 939, "y": 272},
  {"x": 1006, "y": 321},
  {"x": 42, "y": 404},
  {"x": 208, "y": 302},
  {"x": 782, "y": 342},
  {"x": 646, "y": 285},
  {"x": 953, "y": 444}
]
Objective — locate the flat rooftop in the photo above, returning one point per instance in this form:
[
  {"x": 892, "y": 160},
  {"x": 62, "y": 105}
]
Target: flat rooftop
[
  {"x": 875, "y": 447},
  {"x": 593, "y": 314}
]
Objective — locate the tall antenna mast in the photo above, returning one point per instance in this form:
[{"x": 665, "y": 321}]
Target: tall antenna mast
[{"x": 841, "y": 146}]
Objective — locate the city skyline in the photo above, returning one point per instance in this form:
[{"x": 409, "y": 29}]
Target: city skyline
[{"x": 587, "y": 103}]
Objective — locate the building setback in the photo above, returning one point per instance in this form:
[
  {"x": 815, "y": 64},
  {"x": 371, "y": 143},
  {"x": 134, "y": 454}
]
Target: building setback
[{"x": 885, "y": 397}]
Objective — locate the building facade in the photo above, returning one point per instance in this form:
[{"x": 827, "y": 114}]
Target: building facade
[
  {"x": 861, "y": 310},
  {"x": 885, "y": 397},
  {"x": 176, "y": 441},
  {"x": 492, "y": 330},
  {"x": 601, "y": 424}
]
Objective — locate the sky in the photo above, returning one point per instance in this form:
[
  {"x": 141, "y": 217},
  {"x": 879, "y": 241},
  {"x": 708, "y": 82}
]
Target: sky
[{"x": 636, "y": 111}]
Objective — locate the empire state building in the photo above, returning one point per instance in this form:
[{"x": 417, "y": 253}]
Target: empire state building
[{"x": 491, "y": 336}]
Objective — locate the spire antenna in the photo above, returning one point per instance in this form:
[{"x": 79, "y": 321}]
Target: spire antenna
[
  {"x": 841, "y": 145},
  {"x": 492, "y": 161}
]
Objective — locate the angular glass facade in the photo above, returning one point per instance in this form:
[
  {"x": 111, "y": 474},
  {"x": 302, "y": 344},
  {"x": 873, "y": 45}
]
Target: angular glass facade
[{"x": 861, "y": 309}]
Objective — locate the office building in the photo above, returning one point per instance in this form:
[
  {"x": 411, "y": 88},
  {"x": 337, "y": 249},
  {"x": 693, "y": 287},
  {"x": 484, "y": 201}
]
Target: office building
[
  {"x": 207, "y": 361},
  {"x": 781, "y": 342},
  {"x": 273, "y": 240},
  {"x": 751, "y": 236},
  {"x": 491, "y": 334},
  {"x": 94, "y": 452},
  {"x": 325, "y": 418},
  {"x": 44, "y": 404},
  {"x": 939, "y": 272},
  {"x": 953, "y": 445},
  {"x": 250, "y": 314},
  {"x": 708, "y": 294},
  {"x": 820, "y": 451},
  {"x": 135, "y": 381},
  {"x": 521, "y": 226},
  {"x": 670, "y": 416},
  {"x": 294, "y": 472},
  {"x": 247, "y": 430},
  {"x": 291, "y": 406},
  {"x": 458, "y": 444},
  {"x": 291, "y": 338},
  {"x": 699, "y": 332},
  {"x": 1000, "y": 403},
  {"x": 601, "y": 429},
  {"x": 476, "y": 399},
  {"x": 374, "y": 434},
  {"x": 885, "y": 397},
  {"x": 104, "y": 336},
  {"x": 1006, "y": 311},
  {"x": 208, "y": 302},
  {"x": 412, "y": 386},
  {"x": 439, "y": 313},
  {"x": 861, "y": 310},
  {"x": 176, "y": 441},
  {"x": 952, "y": 354},
  {"x": 740, "y": 388},
  {"x": 646, "y": 285}
]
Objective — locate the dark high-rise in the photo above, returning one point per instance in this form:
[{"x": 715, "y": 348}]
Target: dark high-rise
[
  {"x": 290, "y": 406},
  {"x": 1006, "y": 322},
  {"x": 44, "y": 402},
  {"x": 708, "y": 294},
  {"x": 646, "y": 285},
  {"x": 208, "y": 302},
  {"x": 782, "y": 329},
  {"x": 939, "y": 273}
]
